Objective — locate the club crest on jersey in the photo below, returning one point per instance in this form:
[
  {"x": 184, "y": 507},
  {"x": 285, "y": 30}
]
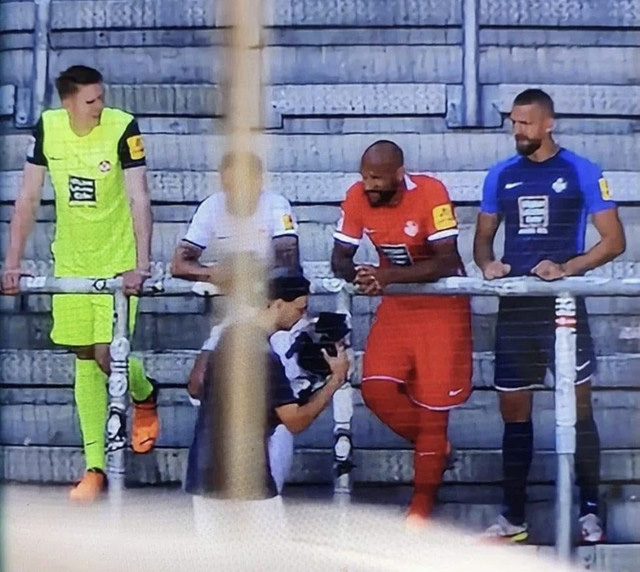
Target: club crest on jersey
[
  {"x": 411, "y": 228},
  {"x": 104, "y": 166},
  {"x": 559, "y": 185}
]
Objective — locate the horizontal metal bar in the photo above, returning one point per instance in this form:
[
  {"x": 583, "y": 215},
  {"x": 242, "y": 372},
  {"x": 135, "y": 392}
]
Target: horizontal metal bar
[
  {"x": 524, "y": 286},
  {"x": 529, "y": 286}
]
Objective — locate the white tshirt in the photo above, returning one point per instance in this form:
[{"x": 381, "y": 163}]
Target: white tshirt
[{"x": 214, "y": 230}]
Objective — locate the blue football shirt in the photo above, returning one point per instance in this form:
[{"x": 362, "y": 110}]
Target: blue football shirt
[{"x": 544, "y": 206}]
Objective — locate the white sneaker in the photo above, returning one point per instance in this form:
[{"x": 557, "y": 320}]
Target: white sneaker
[
  {"x": 505, "y": 531},
  {"x": 591, "y": 529}
]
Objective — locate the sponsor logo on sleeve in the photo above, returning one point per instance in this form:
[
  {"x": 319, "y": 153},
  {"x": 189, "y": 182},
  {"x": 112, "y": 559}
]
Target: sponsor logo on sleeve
[
  {"x": 287, "y": 222},
  {"x": 605, "y": 192},
  {"x": 443, "y": 217},
  {"x": 136, "y": 148}
]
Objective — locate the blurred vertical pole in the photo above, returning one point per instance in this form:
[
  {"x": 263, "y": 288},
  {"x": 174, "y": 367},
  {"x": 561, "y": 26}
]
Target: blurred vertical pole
[
  {"x": 565, "y": 394},
  {"x": 245, "y": 412}
]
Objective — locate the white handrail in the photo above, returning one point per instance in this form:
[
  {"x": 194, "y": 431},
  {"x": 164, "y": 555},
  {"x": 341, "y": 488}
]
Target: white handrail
[{"x": 522, "y": 286}]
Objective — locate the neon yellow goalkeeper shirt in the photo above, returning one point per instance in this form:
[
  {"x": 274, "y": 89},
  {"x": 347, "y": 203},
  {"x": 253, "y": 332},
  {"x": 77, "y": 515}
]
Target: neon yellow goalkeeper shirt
[{"x": 94, "y": 230}]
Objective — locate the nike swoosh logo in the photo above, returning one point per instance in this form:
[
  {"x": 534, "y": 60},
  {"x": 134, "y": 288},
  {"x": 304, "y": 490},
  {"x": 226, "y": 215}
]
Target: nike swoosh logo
[
  {"x": 455, "y": 392},
  {"x": 585, "y": 364},
  {"x": 513, "y": 185}
]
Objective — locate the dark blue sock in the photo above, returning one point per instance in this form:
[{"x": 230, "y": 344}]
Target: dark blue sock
[
  {"x": 517, "y": 452},
  {"x": 587, "y": 463}
]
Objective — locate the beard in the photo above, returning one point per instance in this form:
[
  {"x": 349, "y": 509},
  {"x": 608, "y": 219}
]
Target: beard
[
  {"x": 381, "y": 198},
  {"x": 527, "y": 147}
]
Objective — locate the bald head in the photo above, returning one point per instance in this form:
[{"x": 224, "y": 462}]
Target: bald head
[
  {"x": 384, "y": 152},
  {"x": 382, "y": 170}
]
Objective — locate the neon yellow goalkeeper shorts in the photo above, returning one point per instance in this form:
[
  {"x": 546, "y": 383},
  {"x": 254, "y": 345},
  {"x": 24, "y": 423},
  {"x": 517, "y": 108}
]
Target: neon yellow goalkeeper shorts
[{"x": 86, "y": 319}]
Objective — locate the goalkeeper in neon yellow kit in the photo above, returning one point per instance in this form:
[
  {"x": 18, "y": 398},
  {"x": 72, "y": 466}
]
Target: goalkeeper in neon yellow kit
[{"x": 96, "y": 162}]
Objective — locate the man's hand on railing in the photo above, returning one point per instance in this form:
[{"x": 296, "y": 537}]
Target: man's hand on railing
[
  {"x": 548, "y": 270},
  {"x": 132, "y": 281},
  {"x": 366, "y": 281},
  {"x": 495, "y": 269},
  {"x": 11, "y": 280}
]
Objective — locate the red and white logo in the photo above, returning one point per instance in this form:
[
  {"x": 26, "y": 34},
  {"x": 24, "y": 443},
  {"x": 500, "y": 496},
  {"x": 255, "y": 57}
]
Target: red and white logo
[
  {"x": 105, "y": 166},
  {"x": 411, "y": 228}
]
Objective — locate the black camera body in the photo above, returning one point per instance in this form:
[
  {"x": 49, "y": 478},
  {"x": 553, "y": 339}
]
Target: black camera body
[{"x": 329, "y": 328}]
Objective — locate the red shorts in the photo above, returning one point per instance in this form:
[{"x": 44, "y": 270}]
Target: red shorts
[{"x": 428, "y": 350}]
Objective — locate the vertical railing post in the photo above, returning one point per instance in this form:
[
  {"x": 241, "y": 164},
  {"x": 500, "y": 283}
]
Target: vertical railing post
[
  {"x": 565, "y": 409},
  {"x": 118, "y": 385},
  {"x": 470, "y": 64},
  {"x": 342, "y": 415}
]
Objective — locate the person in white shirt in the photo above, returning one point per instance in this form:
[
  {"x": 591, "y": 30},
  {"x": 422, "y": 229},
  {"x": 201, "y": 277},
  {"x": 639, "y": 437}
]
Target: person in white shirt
[{"x": 215, "y": 232}]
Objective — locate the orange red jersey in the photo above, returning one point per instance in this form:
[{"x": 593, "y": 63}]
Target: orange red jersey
[{"x": 402, "y": 234}]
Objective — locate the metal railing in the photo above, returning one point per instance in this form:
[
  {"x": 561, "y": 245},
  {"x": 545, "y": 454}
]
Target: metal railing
[{"x": 564, "y": 291}]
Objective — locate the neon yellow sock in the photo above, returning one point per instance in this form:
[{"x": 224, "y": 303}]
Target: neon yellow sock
[
  {"x": 139, "y": 385},
  {"x": 91, "y": 401}
]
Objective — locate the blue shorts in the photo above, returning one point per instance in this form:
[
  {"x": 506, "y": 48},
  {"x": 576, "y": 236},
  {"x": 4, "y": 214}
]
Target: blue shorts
[{"x": 525, "y": 343}]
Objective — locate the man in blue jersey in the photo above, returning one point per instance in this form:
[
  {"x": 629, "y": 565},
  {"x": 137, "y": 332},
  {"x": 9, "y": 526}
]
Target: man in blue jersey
[{"x": 544, "y": 195}]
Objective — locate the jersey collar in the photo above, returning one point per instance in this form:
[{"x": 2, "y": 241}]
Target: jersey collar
[{"x": 408, "y": 183}]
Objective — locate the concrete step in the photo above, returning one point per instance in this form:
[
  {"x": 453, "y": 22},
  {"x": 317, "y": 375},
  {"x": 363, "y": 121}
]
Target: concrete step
[
  {"x": 313, "y": 186},
  {"x": 47, "y": 416},
  {"x": 52, "y": 465},
  {"x": 26, "y": 368}
]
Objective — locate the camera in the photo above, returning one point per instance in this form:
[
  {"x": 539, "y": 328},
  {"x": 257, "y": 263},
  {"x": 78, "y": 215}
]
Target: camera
[{"x": 329, "y": 328}]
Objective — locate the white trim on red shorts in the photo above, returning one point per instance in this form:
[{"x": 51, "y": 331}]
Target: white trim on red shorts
[
  {"x": 383, "y": 378},
  {"x": 432, "y": 407},
  {"x": 418, "y": 403}
]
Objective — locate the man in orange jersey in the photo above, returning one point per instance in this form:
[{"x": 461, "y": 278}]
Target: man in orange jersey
[{"x": 417, "y": 363}]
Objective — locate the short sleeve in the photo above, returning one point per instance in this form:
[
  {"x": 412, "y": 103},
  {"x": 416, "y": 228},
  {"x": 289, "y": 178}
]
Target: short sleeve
[
  {"x": 489, "y": 203},
  {"x": 35, "y": 150},
  {"x": 440, "y": 217},
  {"x": 283, "y": 221},
  {"x": 594, "y": 188},
  {"x": 280, "y": 388},
  {"x": 283, "y": 344},
  {"x": 350, "y": 227},
  {"x": 131, "y": 148},
  {"x": 199, "y": 231}
]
